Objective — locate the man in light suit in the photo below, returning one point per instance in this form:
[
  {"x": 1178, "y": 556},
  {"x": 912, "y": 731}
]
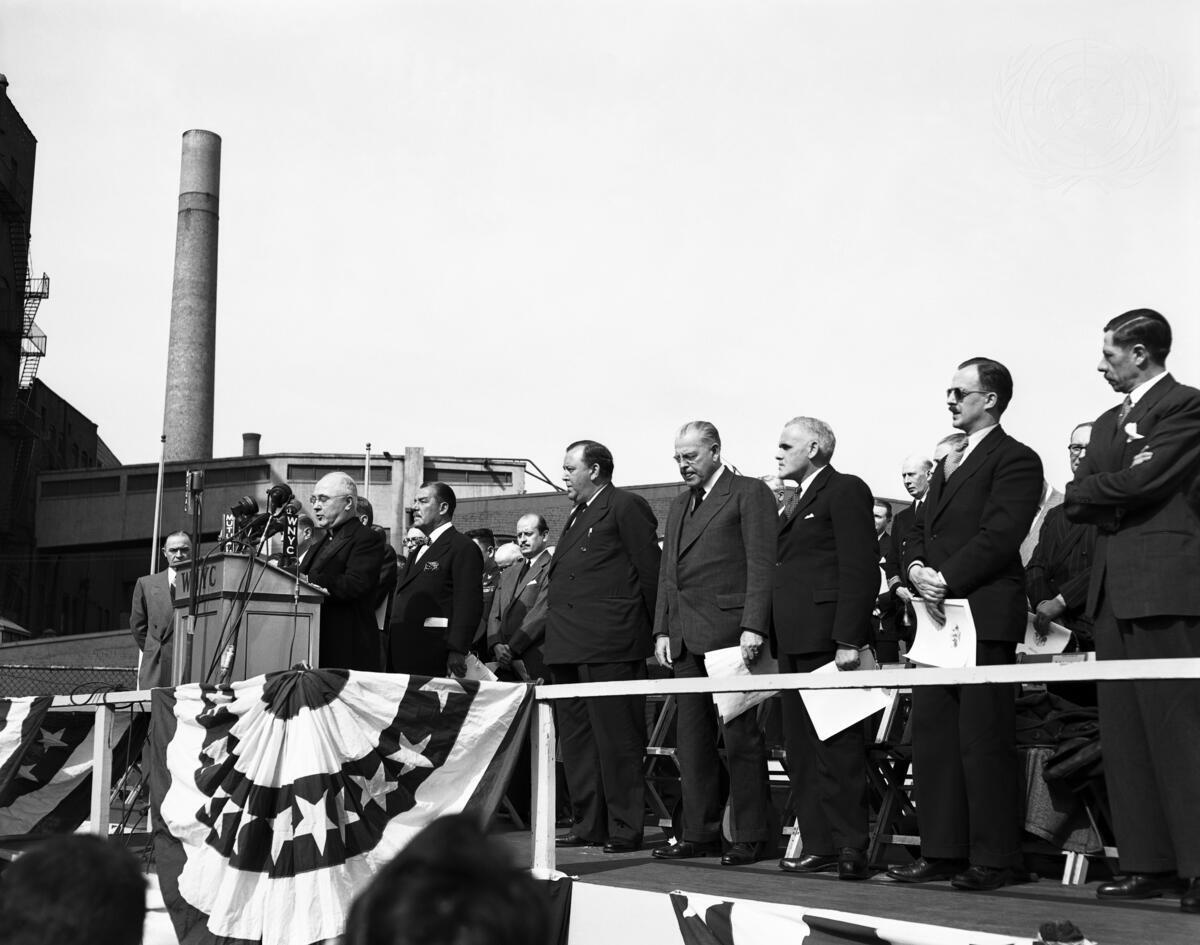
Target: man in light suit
[
  {"x": 517, "y": 622},
  {"x": 966, "y": 543},
  {"x": 439, "y": 601},
  {"x": 603, "y": 587},
  {"x": 825, "y": 585},
  {"x": 714, "y": 591},
  {"x": 1134, "y": 484},
  {"x": 152, "y": 614}
]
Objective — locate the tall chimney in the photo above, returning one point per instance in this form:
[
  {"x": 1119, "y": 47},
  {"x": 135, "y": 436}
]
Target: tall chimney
[
  {"x": 191, "y": 355},
  {"x": 250, "y": 443}
]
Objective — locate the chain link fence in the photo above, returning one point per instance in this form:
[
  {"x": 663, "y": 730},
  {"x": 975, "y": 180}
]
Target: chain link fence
[{"x": 22, "y": 680}]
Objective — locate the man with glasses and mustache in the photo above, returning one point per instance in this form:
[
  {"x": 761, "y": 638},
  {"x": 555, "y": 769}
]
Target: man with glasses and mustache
[
  {"x": 966, "y": 544},
  {"x": 345, "y": 564}
]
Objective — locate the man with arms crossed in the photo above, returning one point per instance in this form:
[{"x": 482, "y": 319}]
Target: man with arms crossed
[{"x": 714, "y": 591}]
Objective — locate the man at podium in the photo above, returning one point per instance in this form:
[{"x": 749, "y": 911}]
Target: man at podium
[{"x": 346, "y": 564}]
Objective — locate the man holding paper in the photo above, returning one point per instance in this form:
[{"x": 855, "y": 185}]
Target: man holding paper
[
  {"x": 826, "y": 582},
  {"x": 714, "y": 592},
  {"x": 967, "y": 544}
]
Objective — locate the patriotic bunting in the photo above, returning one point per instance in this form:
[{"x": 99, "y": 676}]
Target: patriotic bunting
[{"x": 279, "y": 797}]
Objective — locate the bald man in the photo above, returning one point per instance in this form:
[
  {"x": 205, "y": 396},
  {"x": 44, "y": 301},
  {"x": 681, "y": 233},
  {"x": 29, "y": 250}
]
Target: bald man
[{"x": 345, "y": 563}]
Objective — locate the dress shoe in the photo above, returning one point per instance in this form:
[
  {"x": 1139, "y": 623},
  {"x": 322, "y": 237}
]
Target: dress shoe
[
  {"x": 741, "y": 854},
  {"x": 984, "y": 878},
  {"x": 686, "y": 850},
  {"x": 852, "y": 864},
  {"x": 926, "y": 870},
  {"x": 1142, "y": 886},
  {"x": 622, "y": 845},
  {"x": 1190, "y": 901},
  {"x": 574, "y": 840},
  {"x": 812, "y": 863}
]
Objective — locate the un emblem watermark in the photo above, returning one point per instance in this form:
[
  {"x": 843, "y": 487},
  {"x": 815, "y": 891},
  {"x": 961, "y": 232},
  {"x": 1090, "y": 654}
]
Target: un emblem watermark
[{"x": 1083, "y": 111}]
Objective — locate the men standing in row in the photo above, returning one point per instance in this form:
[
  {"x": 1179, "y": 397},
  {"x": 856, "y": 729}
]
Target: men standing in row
[
  {"x": 346, "y": 564},
  {"x": 439, "y": 602},
  {"x": 1142, "y": 467},
  {"x": 152, "y": 613},
  {"x": 517, "y": 620},
  {"x": 603, "y": 585},
  {"x": 826, "y": 582},
  {"x": 714, "y": 591},
  {"x": 966, "y": 543}
]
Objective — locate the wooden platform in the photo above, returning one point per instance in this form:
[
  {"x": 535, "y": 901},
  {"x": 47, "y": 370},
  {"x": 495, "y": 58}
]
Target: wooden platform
[{"x": 1014, "y": 910}]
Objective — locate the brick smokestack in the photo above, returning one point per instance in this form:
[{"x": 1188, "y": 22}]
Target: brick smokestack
[{"x": 191, "y": 355}]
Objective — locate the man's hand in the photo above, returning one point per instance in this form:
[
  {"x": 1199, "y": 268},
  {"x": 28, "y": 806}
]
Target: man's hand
[
  {"x": 1142, "y": 457},
  {"x": 503, "y": 653},
  {"x": 847, "y": 658},
  {"x": 904, "y": 594},
  {"x": 456, "y": 664},
  {"x": 751, "y": 644},
  {"x": 1046, "y": 611},
  {"x": 662, "y": 651},
  {"x": 929, "y": 583}
]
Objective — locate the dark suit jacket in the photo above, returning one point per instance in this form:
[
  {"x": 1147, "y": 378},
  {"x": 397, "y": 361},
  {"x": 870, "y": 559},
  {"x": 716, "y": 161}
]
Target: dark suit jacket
[
  {"x": 604, "y": 583},
  {"x": 389, "y": 574},
  {"x": 152, "y": 623},
  {"x": 718, "y": 566},
  {"x": 1148, "y": 548},
  {"x": 518, "y": 614},
  {"x": 347, "y": 565},
  {"x": 971, "y": 528},
  {"x": 827, "y": 576},
  {"x": 1062, "y": 564},
  {"x": 447, "y": 583}
]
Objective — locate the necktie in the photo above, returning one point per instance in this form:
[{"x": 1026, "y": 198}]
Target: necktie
[
  {"x": 574, "y": 517},
  {"x": 697, "y": 497},
  {"x": 954, "y": 458},
  {"x": 521, "y": 575},
  {"x": 1126, "y": 406}
]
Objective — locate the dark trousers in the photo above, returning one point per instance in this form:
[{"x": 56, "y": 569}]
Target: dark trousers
[
  {"x": 1150, "y": 735},
  {"x": 419, "y": 651},
  {"x": 696, "y": 728},
  {"x": 965, "y": 768},
  {"x": 603, "y": 743},
  {"x": 829, "y": 778}
]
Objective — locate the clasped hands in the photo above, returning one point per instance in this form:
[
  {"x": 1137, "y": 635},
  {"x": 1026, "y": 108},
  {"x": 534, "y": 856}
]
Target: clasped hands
[{"x": 932, "y": 588}]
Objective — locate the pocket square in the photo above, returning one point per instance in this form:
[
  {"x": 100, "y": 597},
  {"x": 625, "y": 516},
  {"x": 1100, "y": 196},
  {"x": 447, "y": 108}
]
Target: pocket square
[
  {"x": 531, "y": 583},
  {"x": 810, "y": 515},
  {"x": 1131, "y": 433},
  {"x": 432, "y": 565}
]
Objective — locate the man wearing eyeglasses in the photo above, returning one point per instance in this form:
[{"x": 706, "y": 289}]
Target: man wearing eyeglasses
[
  {"x": 346, "y": 564},
  {"x": 152, "y": 614},
  {"x": 966, "y": 544}
]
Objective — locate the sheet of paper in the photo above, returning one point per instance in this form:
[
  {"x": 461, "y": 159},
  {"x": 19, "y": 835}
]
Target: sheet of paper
[
  {"x": 477, "y": 670},
  {"x": 952, "y": 644},
  {"x": 1055, "y": 641},
  {"x": 720, "y": 664},
  {"x": 834, "y": 710}
]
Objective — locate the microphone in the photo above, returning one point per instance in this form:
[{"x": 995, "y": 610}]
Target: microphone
[
  {"x": 278, "y": 496},
  {"x": 244, "y": 506}
]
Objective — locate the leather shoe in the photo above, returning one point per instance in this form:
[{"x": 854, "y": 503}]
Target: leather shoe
[
  {"x": 1190, "y": 902},
  {"x": 812, "y": 863},
  {"x": 926, "y": 870},
  {"x": 574, "y": 840},
  {"x": 984, "y": 878},
  {"x": 852, "y": 864},
  {"x": 686, "y": 850},
  {"x": 1143, "y": 886},
  {"x": 622, "y": 845},
  {"x": 740, "y": 854}
]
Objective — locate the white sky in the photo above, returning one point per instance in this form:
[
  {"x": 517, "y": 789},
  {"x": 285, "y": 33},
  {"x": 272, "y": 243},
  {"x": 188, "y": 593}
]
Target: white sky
[{"x": 490, "y": 228}]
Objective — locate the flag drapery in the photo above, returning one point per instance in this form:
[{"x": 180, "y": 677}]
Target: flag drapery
[{"x": 278, "y": 798}]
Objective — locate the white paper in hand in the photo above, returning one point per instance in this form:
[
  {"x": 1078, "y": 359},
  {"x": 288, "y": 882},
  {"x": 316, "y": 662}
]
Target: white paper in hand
[
  {"x": 835, "y": 710},
  {"x": 952, "y": 644},
  {"x": 721, "y": 664},
  {"x": 477, "y": 670},
  {"x": 1054, "y": 642}
]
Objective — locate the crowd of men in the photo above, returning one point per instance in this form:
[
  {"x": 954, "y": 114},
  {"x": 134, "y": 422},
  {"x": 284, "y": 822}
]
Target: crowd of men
[{"x": 818, "y": 575}]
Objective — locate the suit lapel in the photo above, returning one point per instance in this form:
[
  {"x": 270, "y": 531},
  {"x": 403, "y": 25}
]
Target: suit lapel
[
  {"x": 1152, "y": 397},
  {"x": 432, "y": 553},
  {"x": 585, "y": 519},
  {"x": 809, "y": 497},
  {"x": 703, "y": 515},
  {"x": 969, "y": 466}
]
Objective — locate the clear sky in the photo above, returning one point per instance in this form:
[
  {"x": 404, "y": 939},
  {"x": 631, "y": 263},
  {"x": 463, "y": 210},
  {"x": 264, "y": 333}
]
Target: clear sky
[{"x": 490, "y": 228}]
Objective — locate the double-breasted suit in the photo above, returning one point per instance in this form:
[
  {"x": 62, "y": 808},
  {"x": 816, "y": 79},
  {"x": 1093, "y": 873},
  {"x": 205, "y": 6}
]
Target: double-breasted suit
[
  {"x": 152, "y": 623},
  {"x": 715, "y": 581},
  {"x": 603, "y": 587},
  {"x": 347, "y": 564},
  {"x": 970, "y": 528},
  {"x": 826, "y": 582},
  {"x": 1134, "y": 484},
  {"x": 438, "y": 607}
]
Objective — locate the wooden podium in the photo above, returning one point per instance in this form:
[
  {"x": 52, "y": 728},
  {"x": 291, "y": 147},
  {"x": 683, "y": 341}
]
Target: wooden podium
[{"x": 272, "y": 618}]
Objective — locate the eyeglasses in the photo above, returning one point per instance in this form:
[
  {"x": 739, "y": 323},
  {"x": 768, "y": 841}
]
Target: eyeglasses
[
  {"x": 1076, "y": 448},
  {"x": 959, "y": 394},
  {"x": 323, "y": 499}
]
